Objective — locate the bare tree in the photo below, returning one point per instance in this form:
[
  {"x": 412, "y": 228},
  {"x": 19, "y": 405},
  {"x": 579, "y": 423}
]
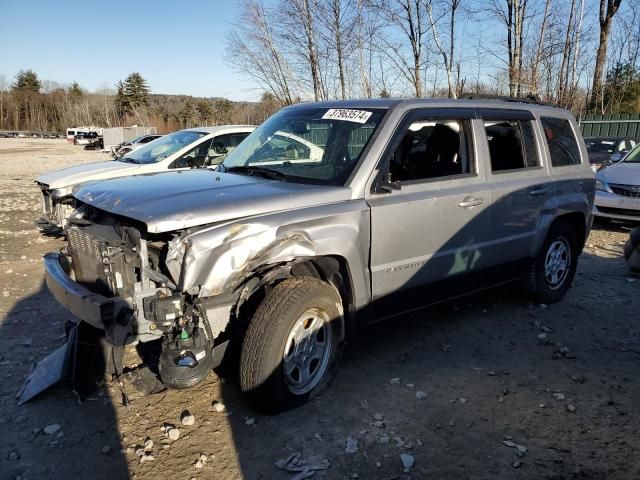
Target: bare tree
[
  {"x": 338, "y": 21},
  {"x": 537, "y": 58},
  {"x": 406, "y": 17},
  {"x": 253, "y": 50},
  {"x": 577, "y": 37},
  {"x": 566, "y": 54},
  {"x": 448, "y": 59},
  {"x": 512, "y": 14},
  {"x": 302, "y": 42},
  {"x": 608, "y": 9},
  {"x": 3, "y": 86}
]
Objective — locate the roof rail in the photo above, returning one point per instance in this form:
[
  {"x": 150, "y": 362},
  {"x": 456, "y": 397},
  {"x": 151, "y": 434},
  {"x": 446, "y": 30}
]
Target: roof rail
[{"x": 535, "y": 99}]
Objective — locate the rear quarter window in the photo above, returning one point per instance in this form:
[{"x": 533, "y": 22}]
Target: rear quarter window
[{"x": 563, "y": 146}]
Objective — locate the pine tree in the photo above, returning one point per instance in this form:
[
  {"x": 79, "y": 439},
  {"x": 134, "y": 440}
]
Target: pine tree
[
  {"x": 204, "y": 111},
  {"x": 622, "y": 89},
  {"x": 222, "y": 110},
  {"x": 186, "y": 114},
  {"x": 131, "y": 94},
  {"x": 136, "y": 90},
  {"x": 75, "y": 91},
  {"x": 27, "y": 81}
]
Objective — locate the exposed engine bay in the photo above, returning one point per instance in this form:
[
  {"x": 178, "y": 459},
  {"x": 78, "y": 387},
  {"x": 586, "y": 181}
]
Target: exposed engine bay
[{"x": 115, "y": 258}]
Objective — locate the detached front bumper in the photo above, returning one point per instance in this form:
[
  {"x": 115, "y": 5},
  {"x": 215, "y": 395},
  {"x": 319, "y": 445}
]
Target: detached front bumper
[{"x": 96, "y": 310}]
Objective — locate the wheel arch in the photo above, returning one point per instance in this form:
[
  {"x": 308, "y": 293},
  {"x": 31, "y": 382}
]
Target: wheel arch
[
  {"x": 576, "y": 221},
  {"x": 333, "y": 269}
]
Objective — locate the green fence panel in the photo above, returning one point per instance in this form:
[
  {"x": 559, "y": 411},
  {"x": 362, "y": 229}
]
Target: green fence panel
[{"x": 611, "y": 125}]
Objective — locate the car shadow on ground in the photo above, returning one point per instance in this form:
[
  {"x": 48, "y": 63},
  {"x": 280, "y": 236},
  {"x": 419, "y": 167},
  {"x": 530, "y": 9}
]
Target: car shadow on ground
[
  {"x": 487, "y": 372},
  {"x": 86, "y": 443},
  {"x": 558, "y": 380}
]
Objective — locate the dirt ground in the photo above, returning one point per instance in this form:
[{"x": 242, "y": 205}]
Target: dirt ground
[{"x": 558, "y": 383}]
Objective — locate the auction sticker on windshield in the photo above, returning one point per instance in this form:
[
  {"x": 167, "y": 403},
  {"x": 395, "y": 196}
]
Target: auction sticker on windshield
[{"x": 358, "y": 116}]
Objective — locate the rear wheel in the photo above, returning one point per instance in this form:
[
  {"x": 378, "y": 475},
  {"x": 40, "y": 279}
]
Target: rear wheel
[
  {"x": 292, "y": 344},
  {"x": 552, "y": 272}
]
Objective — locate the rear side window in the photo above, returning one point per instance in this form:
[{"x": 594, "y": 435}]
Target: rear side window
[
  {"x": 563, "y": 146},
  {"x": 512, "y": 144}
]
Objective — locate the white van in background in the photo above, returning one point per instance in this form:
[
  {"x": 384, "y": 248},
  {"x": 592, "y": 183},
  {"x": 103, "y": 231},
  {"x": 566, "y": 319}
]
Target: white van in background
[{"x": 73, "y": 131}]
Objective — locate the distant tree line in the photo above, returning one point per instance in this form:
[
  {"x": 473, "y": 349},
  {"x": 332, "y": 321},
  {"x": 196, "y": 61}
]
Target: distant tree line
[
  {"x": 29, "y": 103},
  {"x": 581, "y": 54}
]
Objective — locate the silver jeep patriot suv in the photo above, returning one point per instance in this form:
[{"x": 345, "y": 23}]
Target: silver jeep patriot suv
[{"x": 328, "y": 216}]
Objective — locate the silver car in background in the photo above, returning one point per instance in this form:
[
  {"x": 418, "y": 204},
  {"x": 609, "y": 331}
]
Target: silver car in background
[
  {"x": 618, "y": 189},
  {"x": 134, "y": 144}
]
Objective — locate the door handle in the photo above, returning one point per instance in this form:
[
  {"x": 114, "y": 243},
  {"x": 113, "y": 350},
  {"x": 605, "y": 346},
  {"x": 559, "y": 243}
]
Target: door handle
[
  {"x": 536, "y": 192},
  {"x": 470, "y": 202}
]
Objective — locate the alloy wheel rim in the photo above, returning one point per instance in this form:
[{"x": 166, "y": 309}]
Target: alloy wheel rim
[
  {"x": 307, "y": 351},
  {"x": 557, "y": 263}
]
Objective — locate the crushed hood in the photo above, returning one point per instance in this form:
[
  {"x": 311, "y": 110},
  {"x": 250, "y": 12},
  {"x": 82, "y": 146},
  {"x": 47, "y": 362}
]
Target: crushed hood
[
  {"x": 86, "y": 172},
  {"x": 175, "y": 200},
  {"x": 621, "y": 173}
]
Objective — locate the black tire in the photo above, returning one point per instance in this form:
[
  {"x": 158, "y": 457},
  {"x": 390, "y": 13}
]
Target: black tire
[
  {"x": 634, "y": 236},
  {"x": 262, "y": 357},
  {"x": 539, "y": 286},
  {"x": 628, "y": 249}
]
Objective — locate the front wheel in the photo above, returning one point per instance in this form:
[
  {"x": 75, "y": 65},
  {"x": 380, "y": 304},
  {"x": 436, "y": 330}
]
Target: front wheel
[
  {"x": 552, "y": 271},
  {"x": 292, "y": 344}
]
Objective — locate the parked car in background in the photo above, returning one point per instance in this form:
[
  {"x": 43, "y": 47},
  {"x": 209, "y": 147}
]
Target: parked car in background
[
  {"x": 604, "y": 150},
  {"x": 126, "y": 147},
  {"x": 618, "y": 189},
  {"x": 85, "y": 138},
  {"x": 96, "y": 143},
  {"x": 328, "y": 216},
  {"x": 190, "y": 148}
]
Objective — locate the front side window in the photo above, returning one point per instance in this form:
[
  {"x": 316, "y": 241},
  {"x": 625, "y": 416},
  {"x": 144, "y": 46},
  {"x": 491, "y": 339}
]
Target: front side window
[
  {"x": 431, "y": 149},
  {"x": 306, "y": 145},
  {"x": 198, "y": 156},
  {"x": 511, "y": 144},
  {"x": 563, "y": 146},
  {"x": 223, "y": 145},
  {"x": 165, "y": 146}
]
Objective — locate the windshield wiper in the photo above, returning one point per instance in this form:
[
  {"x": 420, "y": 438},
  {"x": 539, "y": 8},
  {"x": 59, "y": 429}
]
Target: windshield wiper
[
  {"x": 251, "y": 169},
  {"x": 127, "y": 160}
]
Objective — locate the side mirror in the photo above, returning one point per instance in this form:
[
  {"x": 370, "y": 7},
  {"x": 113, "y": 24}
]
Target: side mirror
[{"x": 386, "y": 184}]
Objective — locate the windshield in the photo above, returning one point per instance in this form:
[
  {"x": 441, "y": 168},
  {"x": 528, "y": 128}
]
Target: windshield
[
  {"x": 601, "y": 145},
  {"x": 162, "y": 147},
  {"x": 633, "y": 156},
  {"x": 306, "y": 145}
]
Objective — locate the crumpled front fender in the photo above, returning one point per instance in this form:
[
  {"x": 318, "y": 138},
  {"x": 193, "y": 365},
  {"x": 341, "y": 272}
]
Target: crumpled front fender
[{"x": 218, "y": 259}]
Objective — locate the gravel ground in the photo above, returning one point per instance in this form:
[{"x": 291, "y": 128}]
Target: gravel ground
[{"x": 488, "y": 387}]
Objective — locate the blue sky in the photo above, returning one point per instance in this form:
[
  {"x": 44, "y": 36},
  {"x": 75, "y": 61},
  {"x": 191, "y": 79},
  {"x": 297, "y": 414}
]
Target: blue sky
[{"x": 177, "y": 46}]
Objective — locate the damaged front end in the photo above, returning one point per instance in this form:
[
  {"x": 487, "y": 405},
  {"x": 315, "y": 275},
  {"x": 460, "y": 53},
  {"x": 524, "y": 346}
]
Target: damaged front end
[{"x": 112, "y": 275}]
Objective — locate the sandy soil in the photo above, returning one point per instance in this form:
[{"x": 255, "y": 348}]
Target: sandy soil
[{"x": 560, "y": 381}]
